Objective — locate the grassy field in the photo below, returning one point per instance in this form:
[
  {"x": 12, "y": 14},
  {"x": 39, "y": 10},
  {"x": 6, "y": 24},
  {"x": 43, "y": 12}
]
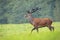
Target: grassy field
[{"x": 22, "y": 32}]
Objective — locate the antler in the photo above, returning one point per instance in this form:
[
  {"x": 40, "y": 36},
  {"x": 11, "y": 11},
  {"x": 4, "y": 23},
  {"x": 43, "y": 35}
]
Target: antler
[{"x": 35, "y": 9}]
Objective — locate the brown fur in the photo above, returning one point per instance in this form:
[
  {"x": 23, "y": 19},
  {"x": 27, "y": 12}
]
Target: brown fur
[{"x": 40, "y": 22}]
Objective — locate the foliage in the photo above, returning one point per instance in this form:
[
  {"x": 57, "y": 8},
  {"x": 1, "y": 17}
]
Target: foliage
[{"x": 14, "y": 10}]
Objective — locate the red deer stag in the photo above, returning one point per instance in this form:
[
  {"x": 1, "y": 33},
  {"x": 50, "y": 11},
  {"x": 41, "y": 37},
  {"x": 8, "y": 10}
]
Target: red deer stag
[{"x": 39, "y": 22}]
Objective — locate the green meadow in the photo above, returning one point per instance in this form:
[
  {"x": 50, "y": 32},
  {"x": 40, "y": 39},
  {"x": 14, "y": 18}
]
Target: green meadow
[{"x": 23, "y": 32}]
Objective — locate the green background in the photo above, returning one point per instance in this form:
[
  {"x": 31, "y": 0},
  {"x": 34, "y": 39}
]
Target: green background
[{"x": 13, "y": 11}]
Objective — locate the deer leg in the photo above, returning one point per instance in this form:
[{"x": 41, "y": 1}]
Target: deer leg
[
  {"x": 51, "y": 28},
  {"x": 37, "y": 29},
  {"x": 33, "y": 29}
]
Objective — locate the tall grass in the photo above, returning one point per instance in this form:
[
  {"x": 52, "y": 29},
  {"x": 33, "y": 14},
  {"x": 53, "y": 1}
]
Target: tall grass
[{"x": 22, "y": 32}]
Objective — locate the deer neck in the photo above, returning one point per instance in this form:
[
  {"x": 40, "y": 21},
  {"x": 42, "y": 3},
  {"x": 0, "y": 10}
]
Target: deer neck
[{"x": 30, "y": 19}]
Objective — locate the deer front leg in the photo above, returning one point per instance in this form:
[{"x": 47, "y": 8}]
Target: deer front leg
[
  {"x": 37, "y": 29},
  {"x": 33, "y": 29}
]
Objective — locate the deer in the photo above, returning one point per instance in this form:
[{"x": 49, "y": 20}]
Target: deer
[{"x": 39, "y": 22}]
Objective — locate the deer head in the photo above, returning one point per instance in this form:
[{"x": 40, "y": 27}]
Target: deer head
[{"x": 28, "y": 15}]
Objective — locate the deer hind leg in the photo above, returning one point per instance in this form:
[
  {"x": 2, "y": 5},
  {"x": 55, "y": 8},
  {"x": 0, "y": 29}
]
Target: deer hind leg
[{"x": 51, "y": 28}]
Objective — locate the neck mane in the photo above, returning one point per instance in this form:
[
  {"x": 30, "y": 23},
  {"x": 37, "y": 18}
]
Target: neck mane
[{"x": 30, "y": 19}]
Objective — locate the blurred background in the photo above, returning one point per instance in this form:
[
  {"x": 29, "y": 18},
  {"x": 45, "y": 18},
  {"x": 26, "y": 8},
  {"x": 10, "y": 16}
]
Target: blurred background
[
  {"x": 13, "y": 11},
  {"x": 14, "y": 26}
]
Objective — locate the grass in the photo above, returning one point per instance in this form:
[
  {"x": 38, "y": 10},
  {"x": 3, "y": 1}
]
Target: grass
[{"x": 22, "y": 32}]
